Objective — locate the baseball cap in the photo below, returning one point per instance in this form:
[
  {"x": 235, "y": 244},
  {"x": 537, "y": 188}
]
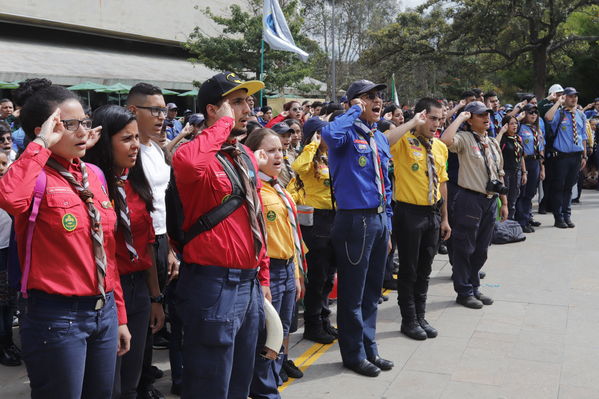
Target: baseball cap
[
  {"x": 362, "y": 86},
  {"x": 196, "y": 119},
  {"x": 556, "y": 88},
  {"x": 529, "y": 108},
  {"x": 508, "y": 107},
  {"x": 596, "y": 100},
  {"x": 570, "y": 91},
  {"x": 313, "y": 124},
  {"x": 282, "y": 128},
  {"x": 343, "y": 99},
  {"x": 222, "y": 84},
  {"x": 477, "y": 108},
  {"x": 171, "y": 106}
]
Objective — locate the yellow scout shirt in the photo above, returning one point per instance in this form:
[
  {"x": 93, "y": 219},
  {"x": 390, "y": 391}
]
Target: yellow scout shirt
[
  {"x": 278, "y": 229},
  {"x": 410, "y": 169},
  {"x": 316, "y": 183}
]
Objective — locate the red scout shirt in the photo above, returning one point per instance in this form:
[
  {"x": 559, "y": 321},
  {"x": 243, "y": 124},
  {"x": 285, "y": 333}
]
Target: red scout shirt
[
  {"x": 143, "y": 234},
  {"x": 62, "y": 258},
  {"x": 202, "y": 184}
]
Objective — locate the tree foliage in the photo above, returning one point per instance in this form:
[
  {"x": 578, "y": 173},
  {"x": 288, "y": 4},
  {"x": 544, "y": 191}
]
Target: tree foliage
[
  {"x": 464, "y": 43},
  {"x": 238, "y": 47}
]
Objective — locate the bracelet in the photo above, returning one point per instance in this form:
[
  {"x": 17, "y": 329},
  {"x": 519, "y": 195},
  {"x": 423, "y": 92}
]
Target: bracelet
[{"x": 43, "y": 139}]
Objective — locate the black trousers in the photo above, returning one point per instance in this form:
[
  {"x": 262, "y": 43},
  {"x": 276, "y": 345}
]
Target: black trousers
[
  {"x": 321, "y": 267},
  {"x": 417, "y": 229},
  {"x": 564, "y": 176}
]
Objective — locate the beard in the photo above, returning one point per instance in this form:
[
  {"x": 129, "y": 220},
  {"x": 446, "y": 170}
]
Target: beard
[{"x": 237, "y": 132}]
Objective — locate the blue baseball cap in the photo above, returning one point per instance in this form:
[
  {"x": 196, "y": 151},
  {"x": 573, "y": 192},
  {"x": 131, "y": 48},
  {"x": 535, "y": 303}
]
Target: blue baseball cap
[
  {"x": 196, "y": 119},
  {"x": 570, "y": 91},
  {"x": 362, "y": 86},
  {"x": 313, "y": 124},
  {"x": 477, "y": 108},
  {"x": 282, "y": 128},
  {"x": 343, "y": 99}
]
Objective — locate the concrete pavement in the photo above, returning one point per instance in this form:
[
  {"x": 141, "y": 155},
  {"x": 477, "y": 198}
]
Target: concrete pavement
[{"x": 538, "y": 340}]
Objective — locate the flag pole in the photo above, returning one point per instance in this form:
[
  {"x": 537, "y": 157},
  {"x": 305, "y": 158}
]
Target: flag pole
[
  {"x": 261, "y": 78},
  {"x": 333, "y": 66}
]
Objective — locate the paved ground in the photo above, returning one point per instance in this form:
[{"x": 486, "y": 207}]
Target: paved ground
[{"x": 538, "y": 340}]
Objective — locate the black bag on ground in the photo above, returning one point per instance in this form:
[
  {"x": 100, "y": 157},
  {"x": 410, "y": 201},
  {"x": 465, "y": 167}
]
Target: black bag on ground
[{"x": 508, "y": 231}]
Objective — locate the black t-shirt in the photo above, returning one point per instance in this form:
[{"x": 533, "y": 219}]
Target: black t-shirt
[{"x": 512, "y": 151}]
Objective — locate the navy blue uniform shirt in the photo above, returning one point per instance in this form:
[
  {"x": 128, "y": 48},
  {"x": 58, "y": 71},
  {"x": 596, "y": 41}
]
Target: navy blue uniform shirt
[{"x": 351, "y": 163}]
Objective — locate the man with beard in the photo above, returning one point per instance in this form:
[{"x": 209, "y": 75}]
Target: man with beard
[
  {"x": 359, "y": 160},
  {"x": 221, "y": 301}
]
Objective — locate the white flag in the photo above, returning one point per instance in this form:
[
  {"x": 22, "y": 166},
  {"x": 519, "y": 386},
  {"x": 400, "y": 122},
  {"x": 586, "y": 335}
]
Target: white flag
[{"x": 275, "y": 31}]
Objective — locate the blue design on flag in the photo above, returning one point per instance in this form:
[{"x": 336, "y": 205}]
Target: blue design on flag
[{"x": 275, "y": 30}]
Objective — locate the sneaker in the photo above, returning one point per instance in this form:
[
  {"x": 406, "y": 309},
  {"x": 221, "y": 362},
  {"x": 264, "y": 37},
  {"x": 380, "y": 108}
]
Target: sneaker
[{"x": 291, "y": 370}]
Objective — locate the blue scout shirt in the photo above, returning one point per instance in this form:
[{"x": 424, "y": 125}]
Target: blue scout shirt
[
  {"x": 528, "y": 139},
  {"x": 495, "y": 123},
  {"x": 351, "y": 162},
  {"x": 173, "y": 132},
  {"x": 590, "y": 113},
  {"x": 562, "y": 125}
]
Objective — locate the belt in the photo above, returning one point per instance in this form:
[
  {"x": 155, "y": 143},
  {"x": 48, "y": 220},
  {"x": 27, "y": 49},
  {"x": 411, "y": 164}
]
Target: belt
[
  {"x": 568, "y": 154},
  {"x": 529, "y": 157},
  {"x": 429, "y": 208},
  {"x": 487, "y": 196},
  {"x": 359, "y": 211},
  {"x": 94, "y": 302},
  {"x": 280, "y": 262},
  {"x": 324, "y": 212},
  {"x": 223, "y": 272}
]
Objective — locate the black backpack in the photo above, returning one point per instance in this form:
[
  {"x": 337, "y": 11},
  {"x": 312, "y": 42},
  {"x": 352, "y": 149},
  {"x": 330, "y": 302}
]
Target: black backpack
[{"x": 174, "y": 207}]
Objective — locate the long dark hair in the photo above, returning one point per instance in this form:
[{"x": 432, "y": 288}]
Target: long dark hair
[{"x": 113, "y": 119}]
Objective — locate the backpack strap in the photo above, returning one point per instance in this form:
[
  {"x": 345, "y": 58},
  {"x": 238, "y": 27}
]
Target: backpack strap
[
  {"x": 98, "y": 172},
  {"x": 38, "y": 194}
]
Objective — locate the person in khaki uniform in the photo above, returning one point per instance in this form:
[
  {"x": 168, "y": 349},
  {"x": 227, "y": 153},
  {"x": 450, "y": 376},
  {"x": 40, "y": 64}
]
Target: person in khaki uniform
[{"x": 474, "y": 206}]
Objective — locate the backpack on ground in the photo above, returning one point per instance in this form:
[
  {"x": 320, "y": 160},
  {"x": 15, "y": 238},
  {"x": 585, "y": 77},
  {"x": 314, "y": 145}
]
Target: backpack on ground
[{"x": 508, "y": 231}]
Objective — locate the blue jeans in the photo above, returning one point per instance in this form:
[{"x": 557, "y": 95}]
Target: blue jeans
[
  {"x": 472, "y": 222},
  {"x": 222, "y": 313},
  {"x": 137, "y": 302},
  {"x": 282, "y": 289},
  {"x": 68, "y": 347},
  {"x": 360, "y": 241}
]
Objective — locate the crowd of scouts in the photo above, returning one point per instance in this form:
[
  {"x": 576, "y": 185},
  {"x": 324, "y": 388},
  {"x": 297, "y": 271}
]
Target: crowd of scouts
[{"x": 109, "y": 218}]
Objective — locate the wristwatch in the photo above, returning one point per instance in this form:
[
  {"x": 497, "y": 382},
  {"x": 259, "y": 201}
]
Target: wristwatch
[{"x": 157, "y": 299}]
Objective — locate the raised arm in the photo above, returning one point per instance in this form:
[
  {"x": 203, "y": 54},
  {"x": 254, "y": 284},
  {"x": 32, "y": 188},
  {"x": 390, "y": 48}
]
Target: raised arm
[
  {"x": 335, "y": 133},
  {"x": 395, "y": 134},
  {"x": 450, "y": 132}
]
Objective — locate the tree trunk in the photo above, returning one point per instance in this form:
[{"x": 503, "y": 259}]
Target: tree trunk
[{"x": 539, "y": 64}]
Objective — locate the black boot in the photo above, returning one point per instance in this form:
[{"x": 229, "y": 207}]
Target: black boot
[
  {"x": 317, "y": 334},
  {"x": 412, "y": 329},
  {"x": 430, "y": 331},
  {"x": 329, "y": 329}
]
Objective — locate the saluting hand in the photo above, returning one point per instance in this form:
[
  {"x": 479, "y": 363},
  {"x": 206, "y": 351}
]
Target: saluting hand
[
  {"x": 561, "y": 100},
  {"x": 52, "y": 129},
  {"x": 93, "y": 137},
  {"x": 419, "y": 118},
  {"x": 261, "y": 157},
  {"x": 464, "y": 116},
  {"x": 225, "y": 110},
  {"x": 316, "y": 139},
  {"x": 186, "y": 130},
  {"x": 357, "y": 101}
]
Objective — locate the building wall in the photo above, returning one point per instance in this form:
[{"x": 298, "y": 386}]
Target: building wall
[{"x": 154, "y": 20}]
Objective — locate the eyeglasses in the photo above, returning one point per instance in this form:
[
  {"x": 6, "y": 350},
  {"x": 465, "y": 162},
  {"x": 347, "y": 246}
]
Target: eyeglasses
[
  {"x": 73, "y": 124},
  {"x": 155, "y": 111},
  {"x": 533, "y": 112},
  {"x": 5, "y": 139},
  {"x": 296, "y": 109},
  {"x": 372, "y": 95}
]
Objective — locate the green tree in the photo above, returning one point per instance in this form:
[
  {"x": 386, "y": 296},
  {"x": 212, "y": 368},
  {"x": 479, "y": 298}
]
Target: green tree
[{"x": 238, "y": 47}]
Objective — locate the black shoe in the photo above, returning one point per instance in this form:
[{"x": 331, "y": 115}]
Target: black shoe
[
  {"x": 413, "y": 330},
  {"x": 443, "y": 249},
  {"x": 390, "y": 284},
  {"x": 156, "y": 372},
  {"x": 542, "y": 211},
  {"x": 159, "y": 342},
  {"x": 486, "y": 300},
  {"x": 318, "y": 335},
  {"x": 534, "y": 223},
  {"x": 283, "y": 375},
  {"x": 14, "y": 349},
  {"x": 430, "y": 331},
  {"x": 576, "y": 201},
  {"x": 150, "y": 393},
  {"x": 528, "y": 229},
  {"x": 380, "y": 300},
  {"x": 469, "y": 302},
  {"x": 385, "y": 298},
  {"x": 482, "y": 275},
  {"x": 176, "y": 389},
  {"x": 569, "y": 223},
  {"x": 560, "y": 224},
  {"x": 381, "y": 363},
  {"x": 8, "y": 358},
  {"x": 329, "y": 329},
  {"x": 291, "y": 369},
  {"x": 365, "y": 368}
]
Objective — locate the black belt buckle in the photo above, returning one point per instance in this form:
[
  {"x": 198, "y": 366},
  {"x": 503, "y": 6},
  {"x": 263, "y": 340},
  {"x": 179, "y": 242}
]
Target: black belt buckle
[{"x": 100, "y": 303}]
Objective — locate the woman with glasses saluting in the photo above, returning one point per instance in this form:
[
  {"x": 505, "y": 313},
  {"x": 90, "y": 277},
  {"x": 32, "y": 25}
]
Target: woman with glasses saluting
[{"x": 74, "y": 320}]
